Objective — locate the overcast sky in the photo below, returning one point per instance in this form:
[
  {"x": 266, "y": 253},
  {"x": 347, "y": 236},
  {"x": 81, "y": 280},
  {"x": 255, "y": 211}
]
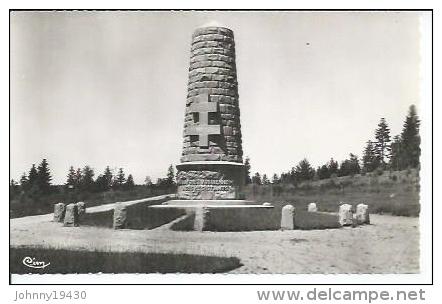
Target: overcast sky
[{"x": 109, "y": 88}]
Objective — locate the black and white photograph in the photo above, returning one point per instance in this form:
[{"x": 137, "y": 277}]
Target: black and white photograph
[{"x": 219, "y": 142}]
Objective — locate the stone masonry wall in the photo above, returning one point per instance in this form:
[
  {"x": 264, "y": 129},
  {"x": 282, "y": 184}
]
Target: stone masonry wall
[{"x": 212, "y": 72}]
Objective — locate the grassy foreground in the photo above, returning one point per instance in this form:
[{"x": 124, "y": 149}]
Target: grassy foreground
[{"x": 64, "y": 261}]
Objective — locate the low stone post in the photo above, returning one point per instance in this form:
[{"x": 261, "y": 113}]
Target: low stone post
[
  {"x": 288, "y": 217},
  {"x": 362, "y": 214},
  {"x": 312, "y": 207},
  {"x": 120, "y": 216},
  {"x": 71, "y": 216},
  {"x": 201, "y": 218},
  {"x": 345, "y": 215},
  {"x": 81, "y": 206},
  {"x": 59, "y": 211}
]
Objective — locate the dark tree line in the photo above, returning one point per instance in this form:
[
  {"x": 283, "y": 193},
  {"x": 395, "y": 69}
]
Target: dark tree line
[
  {"x": 83, "y": 180},
  {"x": 35, "y": 183},
  {"x": 382, "y": 153},
  {"x": 401, "y": 153}
]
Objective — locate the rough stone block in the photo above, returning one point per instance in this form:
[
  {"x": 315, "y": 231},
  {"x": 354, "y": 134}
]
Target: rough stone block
[
  {"x": 204, "y": 51},
  {"x": 362, "y": 214},
  {"x": 218, "y": 44},
  {"x": 212, "y": 37},
  {"x": 212, "y": 30},
  {"x": 212, "y": 57},
  {"x": 71, "y": 216},
  {"x": 59, "y": 212},
  {"x": 288, "y": 218},
  {"x": 81, "y": 207},
  {"x": 345, "y": 215},
  {"x": 120, "y": 216},
  {"x": 312, "y": 207}
]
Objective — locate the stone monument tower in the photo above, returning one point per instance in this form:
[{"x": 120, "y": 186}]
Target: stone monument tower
[{"x": 211, "y": 165}]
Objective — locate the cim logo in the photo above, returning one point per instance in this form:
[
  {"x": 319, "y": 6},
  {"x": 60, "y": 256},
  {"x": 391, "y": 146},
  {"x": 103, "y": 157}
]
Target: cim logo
[{"x": 33, "y": 263}]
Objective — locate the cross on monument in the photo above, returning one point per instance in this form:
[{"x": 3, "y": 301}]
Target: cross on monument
[{"x": 203, "y": 107}]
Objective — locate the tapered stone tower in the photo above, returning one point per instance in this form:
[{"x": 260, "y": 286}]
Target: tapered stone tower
[{"x": 211, "y": 165}]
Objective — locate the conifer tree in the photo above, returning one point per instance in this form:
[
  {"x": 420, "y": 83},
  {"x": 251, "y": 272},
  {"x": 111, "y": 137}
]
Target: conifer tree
[
  {"x": 383, "y": 142},
  {"x": 32, "y": 176},
  {"x": 87, "y": 180},
  {"x": 44, "y": 177},
  {"x": 78, "y": 178},
  {"x": 265, "y": 179},
  {"x": 70, "y": 181},
  {"x": 108, "y": 177},
  {"x": 247, "y": 168},
  {"x": 170, "y": 179},
  {"x": 304, "y": 171},
  {"x": 410, "y": 140},
  {"x": 256, "y": 179},
  {"x": 396, "y": 158},
  {"x": 130, "y": 184},
  {"x": 323, "y": 172},
  {"x": 333, "y": 167},
  {"x": 119, "y": 180},
  {"x": 369, "y": 159},
  {"x": 275, "y": 179},
  {"x": 24, "y": 182}
]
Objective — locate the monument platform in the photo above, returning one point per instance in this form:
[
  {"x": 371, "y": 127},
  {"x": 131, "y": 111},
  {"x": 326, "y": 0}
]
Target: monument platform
[
  {"x": 223, "y": 215},
  {"x": 200, "y": 203}
]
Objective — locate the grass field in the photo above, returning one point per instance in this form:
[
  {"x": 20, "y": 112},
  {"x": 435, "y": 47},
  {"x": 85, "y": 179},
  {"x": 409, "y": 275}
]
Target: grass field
[
  {"x": 82, "y": 261},
  {"x": 396, "y": 193},
  {"x": 25, "y": 206}
]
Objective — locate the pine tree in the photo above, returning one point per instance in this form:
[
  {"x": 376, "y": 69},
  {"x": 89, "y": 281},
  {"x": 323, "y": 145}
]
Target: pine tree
[
  {"x": 130, "y": 184},
  {"x": 350, "y": 166},
  {"x": 304, "y": 171},
  {"x": 275, "y": 179},
  {"x": 265, "y": 179},
  {"x": 256, "y": 179},
  {"x": 396, "y": 159},
  {"x": 333, "y": 167},
  {"x": 44, "y": 177},
  {"x": 13, "y": 189},
  {"x": 32, "y": 176},
  {"x": 78, "y": 178},
  {"x": 87, "y": 181},
  {"x": 119, "y": 180},
  {"x": 70, "y": 181},
  {"x": 24, "y": 182},
  {"x": 369, "y": 159},
  {"x": 247, "y": 169},
  {"x": 170, "y": 178},
  {"x": 100, "y": 183},
  {"x": 411, "y": 140},
  {"x": 383, "y": 142},
  {"x": 323, "y": 172},
  {"x": 107, "y": 178}
]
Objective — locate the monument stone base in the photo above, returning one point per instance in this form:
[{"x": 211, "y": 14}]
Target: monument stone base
[{"x": 210, "y": 180}]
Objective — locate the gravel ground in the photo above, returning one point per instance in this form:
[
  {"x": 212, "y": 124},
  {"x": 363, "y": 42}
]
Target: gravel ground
[{"x": 389, "y": 245}]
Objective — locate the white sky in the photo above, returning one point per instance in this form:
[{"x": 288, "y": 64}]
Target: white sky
[{"x": 109, "y": 88}]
